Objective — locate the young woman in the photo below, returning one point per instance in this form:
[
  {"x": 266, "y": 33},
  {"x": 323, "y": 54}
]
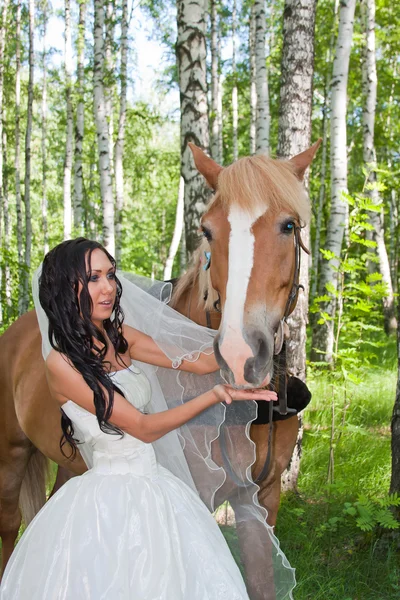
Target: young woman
[{"x": 128, "y": 529}]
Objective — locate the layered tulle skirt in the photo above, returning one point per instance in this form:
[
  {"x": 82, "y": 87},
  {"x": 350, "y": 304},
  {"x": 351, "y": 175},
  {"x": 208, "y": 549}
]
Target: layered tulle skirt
[{"x": 123, "y": 537}]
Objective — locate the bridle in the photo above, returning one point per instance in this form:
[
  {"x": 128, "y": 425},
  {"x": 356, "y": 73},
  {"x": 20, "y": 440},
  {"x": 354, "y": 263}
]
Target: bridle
[{"x": 281, "y": 335}]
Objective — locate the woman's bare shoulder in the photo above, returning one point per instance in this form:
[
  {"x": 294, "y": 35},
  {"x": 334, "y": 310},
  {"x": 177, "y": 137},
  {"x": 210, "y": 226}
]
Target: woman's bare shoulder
[
  {"x": 129, "y": 333},
  {"x": 56, "y": 362}
]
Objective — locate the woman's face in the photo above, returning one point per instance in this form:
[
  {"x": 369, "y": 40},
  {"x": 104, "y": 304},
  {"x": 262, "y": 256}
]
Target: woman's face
[{"x": 102, "y": 285}]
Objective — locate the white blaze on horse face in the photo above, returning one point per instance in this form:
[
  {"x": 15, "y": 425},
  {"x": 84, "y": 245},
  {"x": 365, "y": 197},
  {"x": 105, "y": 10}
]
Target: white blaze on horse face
[{"x": 233, "y": 347}]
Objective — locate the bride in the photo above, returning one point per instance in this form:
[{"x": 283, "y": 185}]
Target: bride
[{"x": 129, "y": 528}]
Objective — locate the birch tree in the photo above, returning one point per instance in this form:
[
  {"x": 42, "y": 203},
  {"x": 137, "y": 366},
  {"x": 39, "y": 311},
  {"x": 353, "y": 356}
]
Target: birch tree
[
  {"x": 3, "y": 26},
  {"x": 215, "y": 133},
  {"x": 80, "y": 120},
  {"x": 325, "y": 127},
  {"x": 370, "y": 82},
  {"x": 323, "y": 338},
  {"x": 178, "y": 229},
  {"x": 234, "y": 88},
  {"x": 263, "y": 116},
  {"x": 70, "y": 125},
  {"x": 44, "y": 133},
  {"x": 6, "y": 274},
  {"x": 108, "y": 75},
  {"x": 103, "y": 146},
  {"x": 253, "y": 90},
  {"x": 294, "y": 136},
  {"x": 119, "y": 145},
  {"x": 191, "y": 57},
  {"x": 18, "y": 199},
  {"x": 27, "y": 180}
]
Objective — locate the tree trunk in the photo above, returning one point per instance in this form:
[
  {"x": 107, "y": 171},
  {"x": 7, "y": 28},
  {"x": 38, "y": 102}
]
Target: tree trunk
[
  {"x": 119, "y": 145},
  {"x": 234, "y": 88},
  {"x": 322, "y": 188},
  {"x": 6, "y": 275},
  {"x": 70, "y": 125},
  {"x": 294, "y": 136},
  {"x": 324, "y": 334},
  {"x": 109, "y": 80},
  {"x": 191, "y": 57},
  {"x": 3, "y": 27},
  {"x": 44, "y": 136},
  {"x": 395, "y": 424},
  {"x": 253, "y": 90},
  {"x": 370, "y": 83},
  {"x": 263, "y": 117},
  {"x": 103, "y": 146},
  {"x": 27, "y": 181},
  {"x": 80, "y": 122},
  {"x": 214, "y": 83},
  {"x": 177, "y": 231},
  {"x": 18, "y": 204},
  {"x": 219, "y": 103}
]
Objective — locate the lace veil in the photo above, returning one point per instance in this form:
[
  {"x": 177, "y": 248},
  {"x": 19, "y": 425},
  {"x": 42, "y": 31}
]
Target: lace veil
[{"x": 213, "y": 453}]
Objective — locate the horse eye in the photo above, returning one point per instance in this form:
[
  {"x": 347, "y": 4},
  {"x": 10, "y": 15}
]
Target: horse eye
[
  {"x": 288, "y": 227},
  {"x": 207, "y": 233}
]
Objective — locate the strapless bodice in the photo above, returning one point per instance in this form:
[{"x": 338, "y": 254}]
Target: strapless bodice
[{"x": 110, "y": 453}]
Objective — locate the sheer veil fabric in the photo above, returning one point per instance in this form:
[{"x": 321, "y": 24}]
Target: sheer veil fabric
[{"x": 193, "y": 453}]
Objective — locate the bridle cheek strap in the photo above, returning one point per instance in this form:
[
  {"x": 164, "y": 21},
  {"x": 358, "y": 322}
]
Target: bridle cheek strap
[{"x": 282, "y": 334}]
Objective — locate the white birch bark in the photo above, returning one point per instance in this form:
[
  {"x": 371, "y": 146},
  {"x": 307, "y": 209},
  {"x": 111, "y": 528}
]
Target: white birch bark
[
  {"x": 234, "y": 88},
  {"x": 27, "y": 180},
  {"x": 44, "y": 136},
  {"x": 324, "y": 338},
  {"x": 253, "y": 90},
  {"x": 3, "y": 27},
  {"x": 191, "y": 56},
  {"x": 370, "y": 83},
  {"x": 219, "y": 103},
  {"x": 109, "y": 79},
  {"x": 80, "y": 121},
  {"x": 103, "y": 146},
  {"x": 119, "y": 145},
  {"x": 177, "y": 235},
  {"x": 263, "y": 116},
  {"x": 214, "y": 83},
  {"x": 18, "y": 199},
  {"x": 294, "y": 136},
  {"x": 70, "y": 126},
  {"x": 322, "y": 186},
  {"x": 6, "y": 275}
]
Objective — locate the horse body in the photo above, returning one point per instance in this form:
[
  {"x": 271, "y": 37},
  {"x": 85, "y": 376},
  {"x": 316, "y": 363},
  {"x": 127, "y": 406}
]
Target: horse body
[{"x": 251, "y": 290}]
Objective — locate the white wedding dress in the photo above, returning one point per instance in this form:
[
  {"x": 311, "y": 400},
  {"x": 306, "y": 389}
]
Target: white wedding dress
[{"x": 127, "y": 529}]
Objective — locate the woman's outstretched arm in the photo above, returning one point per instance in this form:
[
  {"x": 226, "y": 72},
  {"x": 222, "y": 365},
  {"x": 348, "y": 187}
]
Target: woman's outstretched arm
[
  {"x": 142, "y": 347},
  {"x": 66, "y": 383}
]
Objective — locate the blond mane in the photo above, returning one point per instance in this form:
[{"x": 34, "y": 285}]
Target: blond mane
[{"x": 250, "y": 182}]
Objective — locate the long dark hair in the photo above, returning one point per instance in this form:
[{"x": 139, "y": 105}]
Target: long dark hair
[{"x": 71, "y": 330}]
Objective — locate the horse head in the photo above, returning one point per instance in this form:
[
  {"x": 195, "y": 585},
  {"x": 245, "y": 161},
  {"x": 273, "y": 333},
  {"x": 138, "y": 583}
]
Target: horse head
[{"x": 251, "y": 235}]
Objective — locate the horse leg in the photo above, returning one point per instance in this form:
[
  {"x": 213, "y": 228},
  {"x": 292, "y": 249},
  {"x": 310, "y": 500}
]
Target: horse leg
[
  {"x": 63, "y": 475},
  {"x": 13, "y": 464}
]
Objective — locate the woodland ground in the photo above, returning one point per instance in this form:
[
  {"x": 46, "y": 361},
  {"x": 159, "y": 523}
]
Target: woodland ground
[{"x": 335, "y": 560}]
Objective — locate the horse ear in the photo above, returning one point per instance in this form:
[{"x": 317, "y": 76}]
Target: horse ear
[
  {"x": 303, "y": 160},
  {"x": 206, "y": 166}
]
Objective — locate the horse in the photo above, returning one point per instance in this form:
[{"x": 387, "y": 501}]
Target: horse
[{"x": 249, "y": 229}]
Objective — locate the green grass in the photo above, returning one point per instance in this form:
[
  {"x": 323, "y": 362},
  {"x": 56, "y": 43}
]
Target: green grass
[
  {"x": 336, "y": 560},
  {"x": 342, "y": 562}
]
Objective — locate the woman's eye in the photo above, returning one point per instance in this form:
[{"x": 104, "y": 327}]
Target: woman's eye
[
  {"x": 111, "y": 275},
  {"x": 93, "y": 278},
  {"x": 288, "y": 227}
]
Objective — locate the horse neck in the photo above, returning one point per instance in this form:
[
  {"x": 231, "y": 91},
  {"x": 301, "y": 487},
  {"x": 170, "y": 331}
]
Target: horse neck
[{"x": 189, "y": 306}]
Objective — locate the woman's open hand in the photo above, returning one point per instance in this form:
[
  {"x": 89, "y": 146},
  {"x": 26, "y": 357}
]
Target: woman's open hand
[{"x": 226, "y": 393}]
